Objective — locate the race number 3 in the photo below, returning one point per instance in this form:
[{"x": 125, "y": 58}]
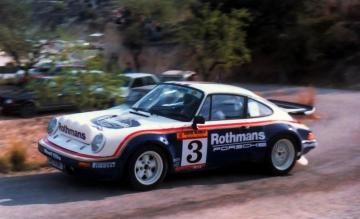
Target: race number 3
[{"x": 194, "y": 151}]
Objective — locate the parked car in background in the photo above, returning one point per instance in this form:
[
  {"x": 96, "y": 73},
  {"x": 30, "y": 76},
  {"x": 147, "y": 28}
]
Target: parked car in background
[
  {"x": 134, "y": 95},
  {"x": 133, "y": 80},
  {"x": 11, "y": 75},
  {"x": 48, "y": 69},
  {"x": 25, "y": 103},
  {"x": 178, "y": 75}
]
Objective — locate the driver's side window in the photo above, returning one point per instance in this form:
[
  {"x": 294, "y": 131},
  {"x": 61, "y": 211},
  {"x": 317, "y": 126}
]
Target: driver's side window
[{"x": 223, "y": 107}]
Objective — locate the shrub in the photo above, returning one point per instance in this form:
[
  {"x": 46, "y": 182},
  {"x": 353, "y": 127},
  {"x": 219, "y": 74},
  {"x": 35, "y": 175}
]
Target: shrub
[
  {"x": 17, "y": 157},
  {"x": 5, "y": 165},
  {"x": 15, "y": 160}
]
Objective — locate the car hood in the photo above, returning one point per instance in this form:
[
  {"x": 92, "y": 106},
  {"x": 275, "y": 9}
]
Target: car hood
[{"x": 76, "y": 132}]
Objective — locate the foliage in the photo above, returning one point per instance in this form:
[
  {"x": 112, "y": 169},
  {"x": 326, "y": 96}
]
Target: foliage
[
  {"x": 85, "y": 89},
  {"x": 13, "y": 25},
  {"x": 216, "y": 38},
  {"x": 144, "y": 16},
  {"x": 5, "y": 165},
  {"x": 16, "y": 159},
  {"x": 17, "y": 156}
]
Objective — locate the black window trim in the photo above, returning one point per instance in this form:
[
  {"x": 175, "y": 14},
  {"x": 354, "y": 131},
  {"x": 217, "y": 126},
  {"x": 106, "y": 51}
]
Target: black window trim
[{"x": 244, "y": 113}]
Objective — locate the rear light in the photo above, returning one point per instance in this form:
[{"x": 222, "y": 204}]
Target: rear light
[{"x": 310, "y": 136}]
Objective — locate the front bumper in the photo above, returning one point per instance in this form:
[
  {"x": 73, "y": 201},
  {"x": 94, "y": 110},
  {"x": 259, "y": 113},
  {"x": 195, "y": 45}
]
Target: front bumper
[
  {"x": 308, "y": 145},
  {"x": 103, "y": 169}
]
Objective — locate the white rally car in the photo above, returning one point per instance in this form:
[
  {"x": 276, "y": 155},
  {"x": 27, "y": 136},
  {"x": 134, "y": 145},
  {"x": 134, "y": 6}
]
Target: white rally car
[{"x": 178, "y": 127}]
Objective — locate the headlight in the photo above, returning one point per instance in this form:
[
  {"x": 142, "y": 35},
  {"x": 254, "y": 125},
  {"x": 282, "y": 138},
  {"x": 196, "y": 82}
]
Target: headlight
[
  {"x": 9, "y": 101},
  {"x": 52, "y": 126},
  {"x": 98, "y": 143}
]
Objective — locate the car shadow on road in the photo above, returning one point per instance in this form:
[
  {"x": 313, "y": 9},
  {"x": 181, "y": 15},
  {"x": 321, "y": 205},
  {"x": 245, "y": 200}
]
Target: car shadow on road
[{"x": 55, "y": 188}]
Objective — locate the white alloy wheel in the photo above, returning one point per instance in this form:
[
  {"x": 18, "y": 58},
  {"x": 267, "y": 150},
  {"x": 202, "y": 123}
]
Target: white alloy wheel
[
  {"x": 148, "y": 168},
  {"x": 283, "y": 154}
]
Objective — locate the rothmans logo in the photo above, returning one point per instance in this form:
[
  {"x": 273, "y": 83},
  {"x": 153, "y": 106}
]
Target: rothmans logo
[
  {"x": 72, "y": 132},
  {"x": 229, "y": 138}
]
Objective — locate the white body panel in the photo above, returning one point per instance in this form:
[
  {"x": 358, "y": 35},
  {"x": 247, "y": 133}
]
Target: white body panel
[{"x": 83, "y": 122}]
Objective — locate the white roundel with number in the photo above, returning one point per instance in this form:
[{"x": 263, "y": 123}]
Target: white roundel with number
[{"x": 194, "y": 151}]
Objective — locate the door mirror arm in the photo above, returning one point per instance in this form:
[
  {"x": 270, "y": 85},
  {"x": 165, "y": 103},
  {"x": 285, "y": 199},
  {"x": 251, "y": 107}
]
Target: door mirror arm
[{"x": 197, "y": 120}]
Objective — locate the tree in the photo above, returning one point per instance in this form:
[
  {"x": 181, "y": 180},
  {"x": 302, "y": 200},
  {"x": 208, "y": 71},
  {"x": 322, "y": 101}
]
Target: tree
[
  {"x": 216, "y": 38},
  {"x": 144, "y": 17},
  {"x": 85, "y": 89},
  {"x": 13, "y": 26}
]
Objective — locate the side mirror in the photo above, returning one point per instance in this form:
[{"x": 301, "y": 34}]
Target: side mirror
[{"x": 198, "y": 120}]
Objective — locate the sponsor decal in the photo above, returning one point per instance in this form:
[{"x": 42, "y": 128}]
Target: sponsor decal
[
  {"x": 235, "y": 141},
  {"x": 194, "y": 152},
  {"x": 72, "y": 132},
  {"x": 190, "y": 167},
  {"x": 115, "y": 122},
  {"x": 51, "y": 154},
  {"x": 103, "y": 165},
  {"x": 192, "y": 134}
]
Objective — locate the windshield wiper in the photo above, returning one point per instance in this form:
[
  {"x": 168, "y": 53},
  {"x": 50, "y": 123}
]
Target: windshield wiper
[
  {"x": 168, "y": 114},
  {"x": 140, "y": 114},
  {"x": 137, "y": 109}
]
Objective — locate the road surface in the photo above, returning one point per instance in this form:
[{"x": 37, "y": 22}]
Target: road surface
[{"x": 328, "y": 187}]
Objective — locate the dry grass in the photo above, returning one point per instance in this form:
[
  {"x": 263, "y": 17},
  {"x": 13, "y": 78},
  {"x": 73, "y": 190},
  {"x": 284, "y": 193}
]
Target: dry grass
[
  {"x": 15, "y": 159},
  {"x": 18, "y": 143}
]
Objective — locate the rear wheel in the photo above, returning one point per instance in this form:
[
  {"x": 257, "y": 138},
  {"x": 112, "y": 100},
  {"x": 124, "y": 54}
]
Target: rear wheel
[
  {"x": 281, "y": 157},
  {"x": 147, "y": 168}
]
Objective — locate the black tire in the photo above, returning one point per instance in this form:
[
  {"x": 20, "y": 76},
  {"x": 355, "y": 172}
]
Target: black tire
[
  {"x": 28, "y": 110},
  {"x": 133, "y": 180},
  {"x": 277, "y": 169}
]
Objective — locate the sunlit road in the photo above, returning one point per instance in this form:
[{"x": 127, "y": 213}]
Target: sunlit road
[{"x": 329, "y": 187}]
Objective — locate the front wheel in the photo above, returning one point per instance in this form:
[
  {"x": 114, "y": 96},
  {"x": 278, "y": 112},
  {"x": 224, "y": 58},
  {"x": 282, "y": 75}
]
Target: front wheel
[
  {"x": 281, "y": 157},
  {"x": 147, "y": 168}
]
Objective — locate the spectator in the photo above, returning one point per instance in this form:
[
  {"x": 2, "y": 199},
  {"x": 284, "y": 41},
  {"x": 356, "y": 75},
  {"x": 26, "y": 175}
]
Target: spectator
[{"x": 128, "y": 68}]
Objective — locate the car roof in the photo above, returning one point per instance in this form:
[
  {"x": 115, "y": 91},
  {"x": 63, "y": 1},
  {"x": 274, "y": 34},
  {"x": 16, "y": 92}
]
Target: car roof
[
  {"x": 137, "y": 75},
  {"x": 177, "y": 73},
  {"x": 211, "y": 88},
  {"x": 144, "y": 88}
]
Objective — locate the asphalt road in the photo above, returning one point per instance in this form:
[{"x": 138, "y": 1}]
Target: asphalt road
[{"x": 328, "y": 187}]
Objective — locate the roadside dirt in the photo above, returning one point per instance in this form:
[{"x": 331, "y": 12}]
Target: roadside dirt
[{"x": 25, "y": 132}]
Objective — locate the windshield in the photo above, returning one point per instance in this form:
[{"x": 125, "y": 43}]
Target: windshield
[
  {"x": 126, "y": 82},
  {"x": 171, "y": 101}
]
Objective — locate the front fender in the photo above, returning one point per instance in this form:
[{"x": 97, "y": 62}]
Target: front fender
[{"x": 161, "y": 140}]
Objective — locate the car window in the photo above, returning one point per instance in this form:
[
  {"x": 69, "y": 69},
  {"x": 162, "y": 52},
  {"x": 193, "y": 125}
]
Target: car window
[
  {"x": 138, "y": 82},
  {"x": 171, "y": 101},
  {"x": 134, "y": 96},
  {"x": 223, "y": 107},
  {"x": 257, "y": 109},
  {"x": 205, "y": 110},
  {"x": 149, "y": 80}
]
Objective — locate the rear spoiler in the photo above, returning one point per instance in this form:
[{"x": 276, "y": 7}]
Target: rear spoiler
[{"x": 294, "y": 108}]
